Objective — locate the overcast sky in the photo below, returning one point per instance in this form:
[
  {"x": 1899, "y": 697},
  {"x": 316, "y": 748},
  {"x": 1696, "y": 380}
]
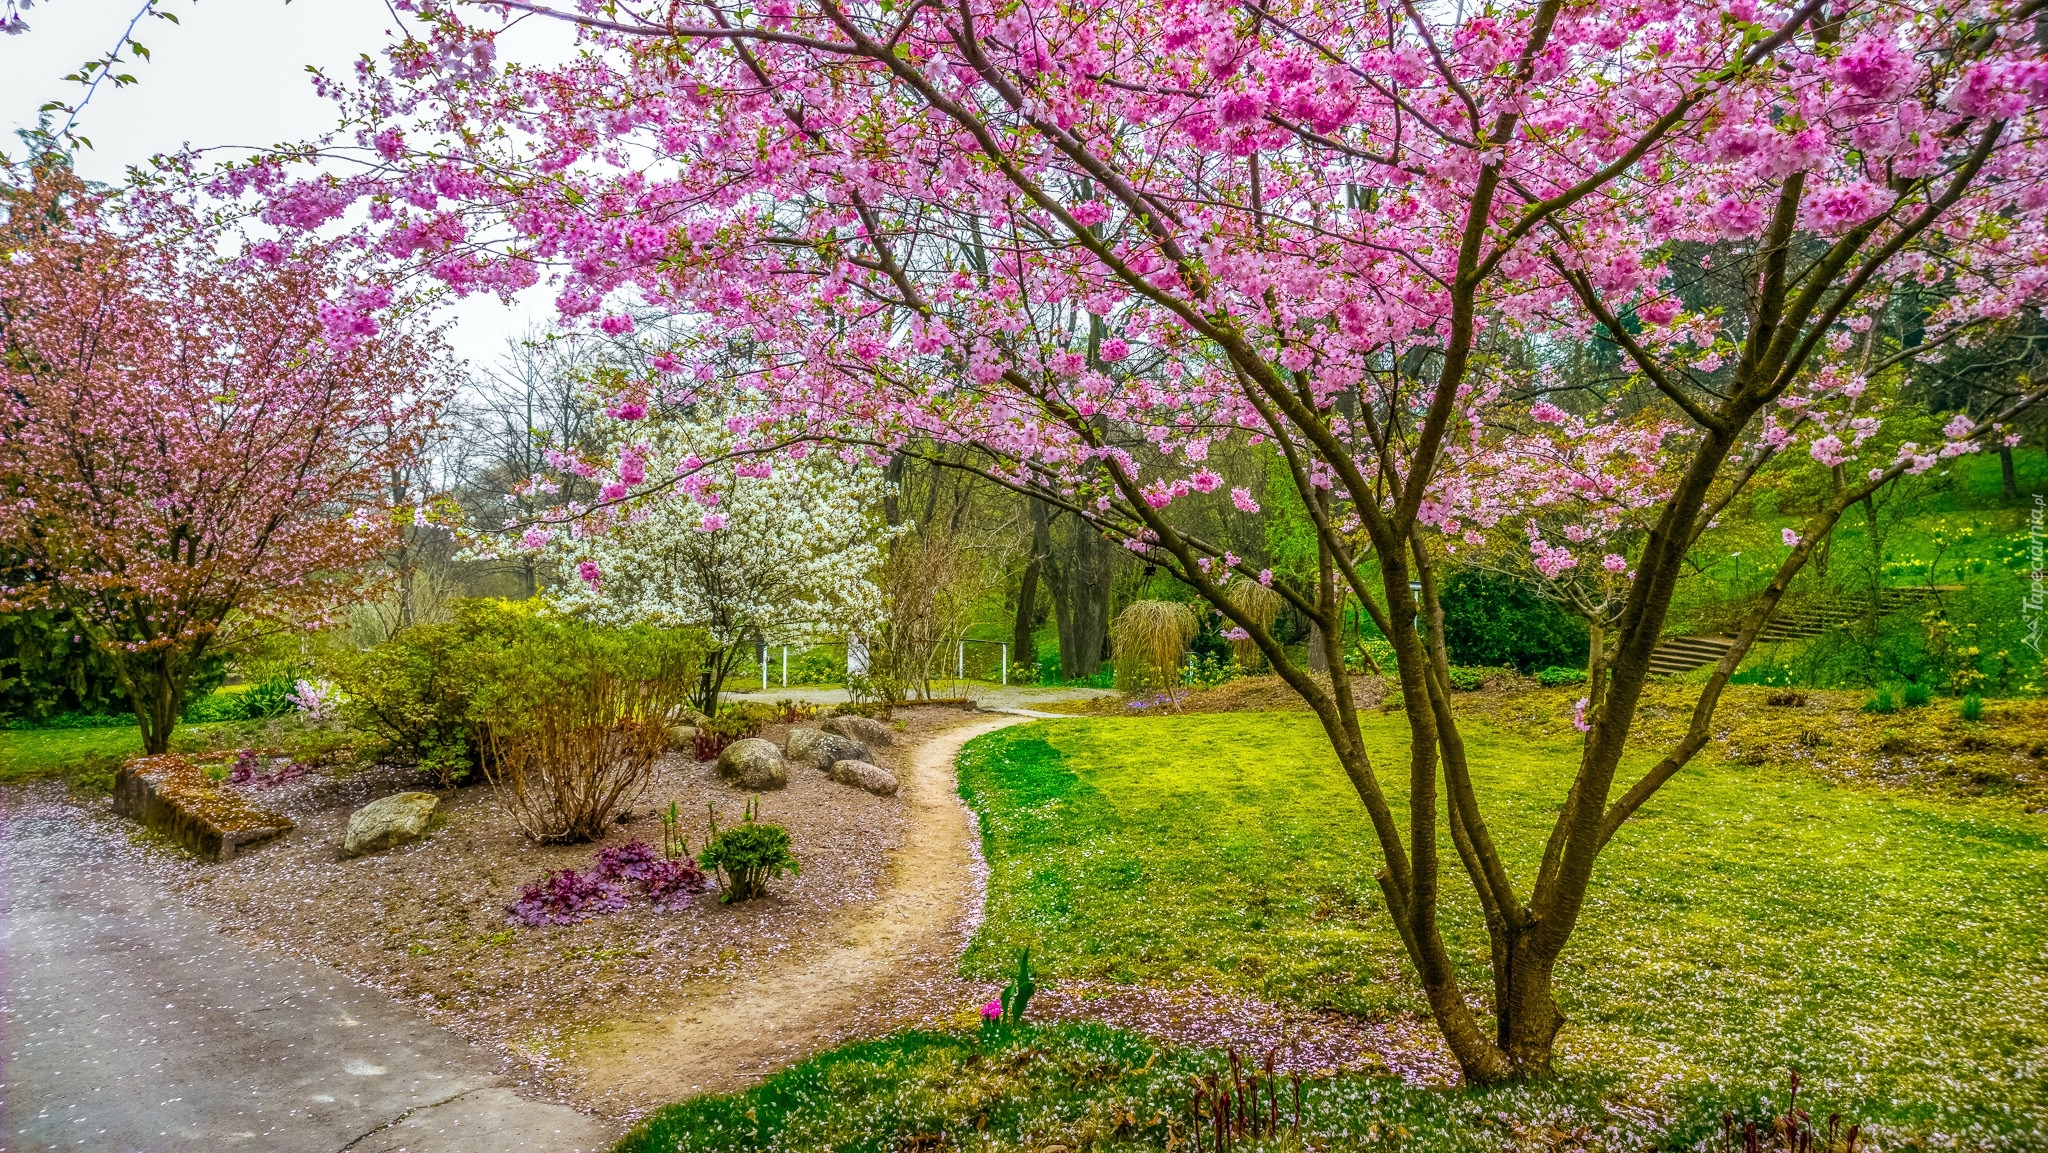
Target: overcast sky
[{"x": 231, "y": 73}]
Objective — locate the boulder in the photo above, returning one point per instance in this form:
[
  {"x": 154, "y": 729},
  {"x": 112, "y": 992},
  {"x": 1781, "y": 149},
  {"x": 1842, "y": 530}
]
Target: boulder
[
  {"x": 753, "y": 764},
  {"x": 819, "y": 749},
  {"x": 862, "y": 775},
  {"x": 682, "y": 738},
  {"x": 171, "y": 795},
  {"x": 858, "y": 728},
  {"x": 388, "y": 822}
]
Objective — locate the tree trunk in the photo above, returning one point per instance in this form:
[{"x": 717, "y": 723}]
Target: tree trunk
[
  {"x": 155, "y": 683},
  {"x": 2006, "y": 473},
  {"x": 1023, "y": 650},
  {"x": 1080, "y": 599},
  {"x": 1318, "y": 660},
  {"x": 718, "y": 664}
]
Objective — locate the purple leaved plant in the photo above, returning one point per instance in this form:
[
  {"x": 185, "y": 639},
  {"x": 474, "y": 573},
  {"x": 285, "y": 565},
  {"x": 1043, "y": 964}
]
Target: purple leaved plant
[
  {"x": 567, "y": 896},
  {"x": 669, "y": 884},
  {"x": 248, "y": 770},
  {"x": 628, "y": 862}
]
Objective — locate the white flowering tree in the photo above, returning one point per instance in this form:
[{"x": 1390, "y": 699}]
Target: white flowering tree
[{"x": 784, "y": 553}]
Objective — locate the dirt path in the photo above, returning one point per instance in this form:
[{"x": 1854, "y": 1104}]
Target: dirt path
[{"x": 730, "y": 1034}]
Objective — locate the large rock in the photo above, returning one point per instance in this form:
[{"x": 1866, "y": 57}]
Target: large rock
[
  {"x": 388, "y": 822},
  {"x": 753, "y": 764},
  {"x": 862, "y": 775},
  {"x": 858, "y": 728},
  {"x": 819, "y": 749},
  {"x": 170, "y": 795},
  {"x": 682, "y": 738}
]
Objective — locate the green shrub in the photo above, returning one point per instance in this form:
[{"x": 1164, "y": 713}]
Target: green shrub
[
  {"x": 738, "y": 719},
  {"x": 1972, "y": 708},
  {"x": 877, "y": 687},
  {"x": 1560, "y": 675},
  {"x": 575, "y": 716},
  {"x": 1466, "y": 679},
  {"x": 1494, "y": 620},
  {"x": 748, "y": 855},
  {"x": 1916, "y": 695},
  {"x": 418, "y": 691},
  {"x": 1882, "y": 702},
  {"x": 1208, "y": 671}
]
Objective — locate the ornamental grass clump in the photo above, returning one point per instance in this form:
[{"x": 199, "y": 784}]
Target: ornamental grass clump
[
  {"x": 1258, "y": 602},
  {"x": 1149, "y": 639},
  {"x": 748, "y": 855},
  {"x": 577, "y": 717}
]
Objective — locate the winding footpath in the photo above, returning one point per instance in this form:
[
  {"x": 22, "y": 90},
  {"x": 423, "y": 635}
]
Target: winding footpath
[
  {"x": 728, "y": 1034},
  {"x": 126, "y": 1024}
]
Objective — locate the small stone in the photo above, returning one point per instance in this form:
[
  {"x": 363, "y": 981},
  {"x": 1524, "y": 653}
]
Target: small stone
[
  {"x": 753, "y": 764},
  {"x": 858, "y": 728},
  {"x": 388, "y": 822},
  {"x": 819, "y": 749},
  {"x": 682, "y": 738},
  {"x": 862, "y": 775}
]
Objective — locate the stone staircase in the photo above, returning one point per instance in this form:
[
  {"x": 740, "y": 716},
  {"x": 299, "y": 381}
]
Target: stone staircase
[{"x": 1684, "y": 654}]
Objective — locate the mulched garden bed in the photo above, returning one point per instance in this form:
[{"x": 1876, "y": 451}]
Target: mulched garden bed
[{"x": 427, "y": 923}]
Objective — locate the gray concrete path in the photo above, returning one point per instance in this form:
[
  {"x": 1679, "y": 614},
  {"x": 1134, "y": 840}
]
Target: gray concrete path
[
  {"x": 994, "y": 698},
  {"x": 126, "y": 1025}
]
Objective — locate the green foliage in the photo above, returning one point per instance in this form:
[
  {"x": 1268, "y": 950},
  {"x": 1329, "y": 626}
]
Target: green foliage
[
  {"x": 748, "y": 855},
  {"x": 1467, "y": 680},
  {"x": 879, "y": 688},
  {"x": 1972, "y": 708},
  {"x": 48, "y": 669},
  {"x": 1560, "y": 675},
  {"x": 1916, "y": 695},
  {"x": 1372, "y": 651},
  {"x": 1882, "y": 701},
  {"x": 1492, "y": 620},
  {"x": 1017, "y": 993},
  {"x": 738, "y": 719},
  {"x": 443, "y": 693},
  {"x": 674, "y": 844},
  {"x": 74, "y": 721},
  {"x": 270, "y": 696},
  {"x": 1211, "y": 669},
  {"x": 1728, "y": 933},
  {"x": 1765, "y": 673}
]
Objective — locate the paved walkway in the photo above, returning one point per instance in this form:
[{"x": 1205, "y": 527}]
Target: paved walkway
[
  {"x": 995, "y": 698},
  {"x": 126, "y": 1025}
]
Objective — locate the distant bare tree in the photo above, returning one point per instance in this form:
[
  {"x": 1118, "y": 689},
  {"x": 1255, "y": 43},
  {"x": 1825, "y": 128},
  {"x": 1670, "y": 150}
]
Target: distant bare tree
[{"x": 534, "y": 399}]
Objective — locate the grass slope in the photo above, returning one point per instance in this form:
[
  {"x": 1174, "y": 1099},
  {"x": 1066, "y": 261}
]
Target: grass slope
[
  {"x": 1889, "y": 947},
  {"x": 1083, "y": 1087}
]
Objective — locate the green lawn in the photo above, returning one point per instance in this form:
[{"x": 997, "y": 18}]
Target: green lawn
[
  {"x": 1893, "y": 949},
  {"x": 1090, "y": 1088},
  {"x": 89, "y": 756}
]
